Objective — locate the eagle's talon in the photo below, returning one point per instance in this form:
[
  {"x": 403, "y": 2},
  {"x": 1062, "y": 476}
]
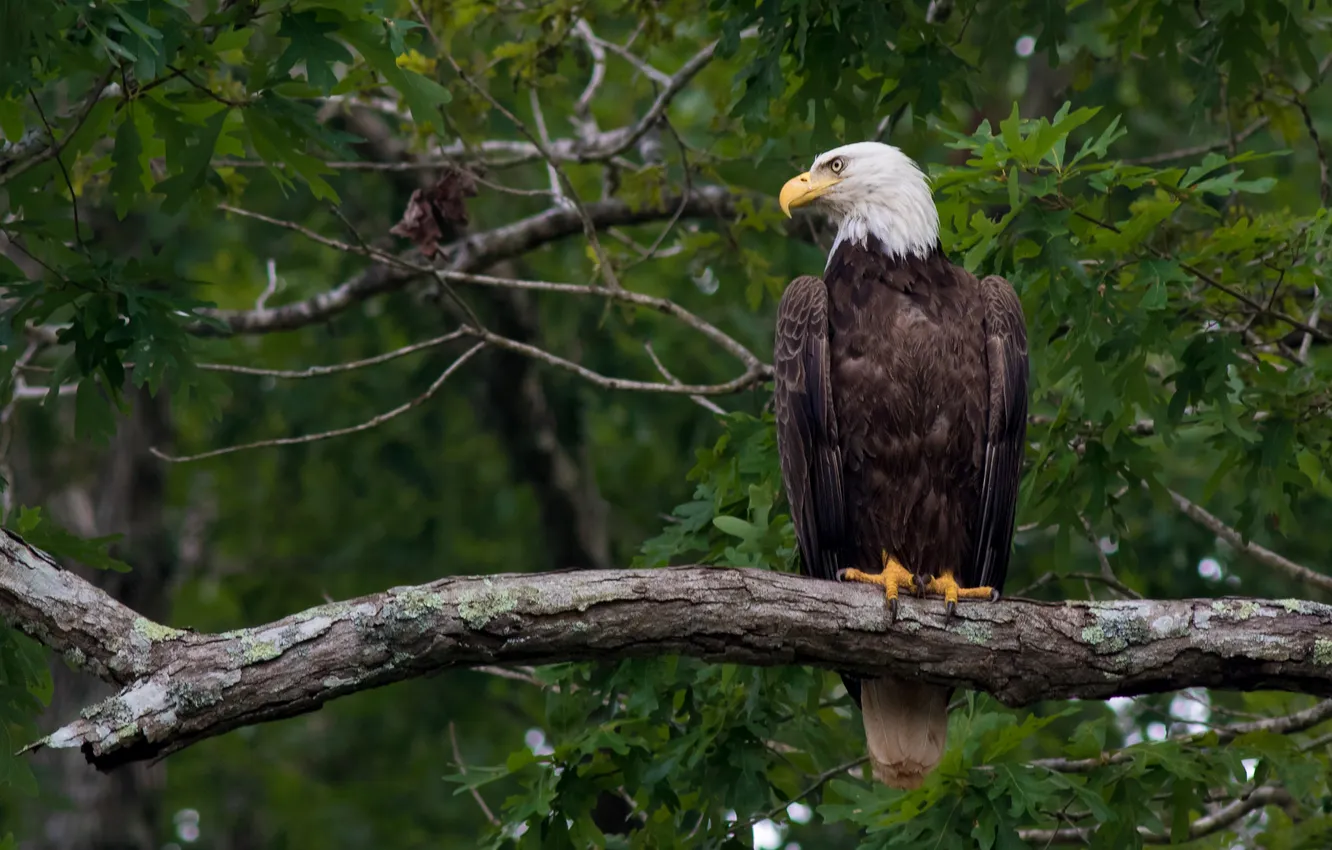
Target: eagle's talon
[
  {"x": 950, "y": 608},
  {"x": 893, "y": 578}
]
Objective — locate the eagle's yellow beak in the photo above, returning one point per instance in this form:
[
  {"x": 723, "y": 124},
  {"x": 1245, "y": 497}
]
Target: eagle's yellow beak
[{"x": 799, "y": 191}]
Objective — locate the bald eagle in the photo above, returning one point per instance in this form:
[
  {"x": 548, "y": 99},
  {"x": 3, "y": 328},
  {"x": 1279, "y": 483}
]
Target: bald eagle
[{"x": 901, "y": 402}]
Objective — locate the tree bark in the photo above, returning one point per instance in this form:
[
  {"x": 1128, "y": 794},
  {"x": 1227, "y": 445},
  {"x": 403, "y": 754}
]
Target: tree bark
[
  {"x": 124, "y": 496},
  {"x": 179, "y": 687}
]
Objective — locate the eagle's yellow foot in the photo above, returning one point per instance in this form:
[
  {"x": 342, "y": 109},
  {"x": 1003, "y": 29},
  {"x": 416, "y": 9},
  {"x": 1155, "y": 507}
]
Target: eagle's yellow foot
[
  {"x": 894, "y": 578},
  {"x": 947, "y": 587}
]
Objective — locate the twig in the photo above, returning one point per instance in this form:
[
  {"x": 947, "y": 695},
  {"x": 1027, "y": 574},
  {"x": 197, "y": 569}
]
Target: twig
[
  {"x": 6, "y": 427},
  {"x": 1205, "y": 825},
  {"x": 701, "y": 401},
  {"x": 624, "y": 53},
  {"x": 1284, "y": 725},
  {"x": 1324, "y": 180},
  {"x": 749, "y": 378},
  {"x": 1237, "y": 542},
  {"x": 1315, "y": 313},
  {"x": 476, "y": 251},
  {"x": 1218, "y": 285},
  {"x": 596, "y": 47},
  {"x": 679, "y": 211},
  {"x": 462, "y": 769},
  {"x": 1197, "y": 150},
  {"x": 262, "y": 301},
  {"x": 817, "y": 783},
  {"x": 755, "y": 370},
  {"x": 1083, "y": 577},
  {"x": 565, "y": 184},
  {"x": 13, "y": 167},
  {"x": 1107, "y": 571},
  {"x": 516, "y": 676},
  {"x": 56, "y": 147},
  {"x": 337, "y": 432},
  {"x": 317, "y": 371},
  {"x": 551, "y": 172}
]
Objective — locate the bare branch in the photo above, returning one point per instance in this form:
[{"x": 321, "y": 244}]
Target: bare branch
[
  {"x": 701, "y": 401},
  {"x": 1237, "y": 542},
  {"x": 319, "y": 371},
  {"x": 1283, "y": 725},
  {"x": 32, "y": 150},
  {"x": 1218, "y": 820},
  {"x": 751, "y": 376},
  {"x": 462, "y": 769},
  {"x": 562, "y": 183},
  {"x": 471, "y": 253},
  {"x": 183, "y": 687},
  {"x": 1107, "y": 571},
  {"x": 583, "y": 108},
  {"x": 624, "y": 53},
  {"x": 336, "y": 432}
]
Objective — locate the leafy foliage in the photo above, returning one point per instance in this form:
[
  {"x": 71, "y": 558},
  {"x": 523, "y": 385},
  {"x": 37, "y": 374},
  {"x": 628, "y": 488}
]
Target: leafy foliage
[{"x": 1150, "y": 176}]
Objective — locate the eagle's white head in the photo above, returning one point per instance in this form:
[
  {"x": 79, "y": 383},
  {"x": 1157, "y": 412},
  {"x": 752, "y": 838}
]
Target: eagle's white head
[{"x": 870, "y": 189}]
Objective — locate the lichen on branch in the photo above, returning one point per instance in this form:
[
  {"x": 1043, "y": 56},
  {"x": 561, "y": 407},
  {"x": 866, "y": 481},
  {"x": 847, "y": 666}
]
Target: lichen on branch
[{"x": 180, "y": 687}]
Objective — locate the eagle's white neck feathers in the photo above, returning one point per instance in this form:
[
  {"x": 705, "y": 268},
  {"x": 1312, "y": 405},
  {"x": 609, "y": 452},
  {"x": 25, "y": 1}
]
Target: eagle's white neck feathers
[{"x": 882, "y": 193}]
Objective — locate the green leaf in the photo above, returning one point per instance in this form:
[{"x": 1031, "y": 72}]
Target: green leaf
[
  {"x": 54, "y": 540},
  {"x": 735, "y": 527},
  {"x": 423, "y": 97},
  {"x": 309, "y": 43},
  {"x": 127, "y": 174},
  {"x": 11, "y": 119}
]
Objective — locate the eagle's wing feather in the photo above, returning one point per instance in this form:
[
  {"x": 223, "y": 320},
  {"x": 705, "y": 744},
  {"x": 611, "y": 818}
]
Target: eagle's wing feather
[
  {"x": 807, "y": 426},
  {"x": 1005, "y": 431}
]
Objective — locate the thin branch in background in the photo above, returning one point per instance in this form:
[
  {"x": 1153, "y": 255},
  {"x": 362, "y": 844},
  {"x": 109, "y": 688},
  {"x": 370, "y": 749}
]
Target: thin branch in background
[
  {"x": 524, "y": 674},
  {"x": 1107, "y": 571},
  {"x": 755, "y": 369},
  {"x": 749, "y": 378},
  {"x": 1237, "y": 542},
  {"x": 597, "y": 48},
  {"x": 7, "y": 428},
  {"x": 817, "y": 783},
  {"x": 551, "y": 173},
  {"x": 701, "y": 401},
  {"x": 261, "y": 302},
  {"x": 661, "y": 305},
  {"x": 1315, "y": 314},
  {"x": 889, "y": 122},
  {"x": 351, "y": 228},
  {"x": 318, "y": 371},
  {"x": 57, "y": 147},
  {"x": 589, "y": 228},
  {"x": 1217, "y": 284},
  {"x": 1218, "y": 820},
  {"x": 684, "y": 199},
  {"x": 640, "y": 65},
  {"x": 1199, "y": 150},
  {"x": 9, "y": 169},
  {"x": 1287, "y": 724},
  {"x": 1052, "y": 576},
  {"x": 336, "y": 432},
  {"x": 1324, "y": 179},
  {"x": 462, "y": 769}
]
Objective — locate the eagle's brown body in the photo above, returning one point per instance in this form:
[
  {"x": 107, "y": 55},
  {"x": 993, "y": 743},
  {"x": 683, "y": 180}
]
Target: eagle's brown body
[{"x": 901, "y": 400}]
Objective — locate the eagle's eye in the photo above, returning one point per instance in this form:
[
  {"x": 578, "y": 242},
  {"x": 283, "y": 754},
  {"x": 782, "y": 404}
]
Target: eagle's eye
[{"x": 837, "y": 164}]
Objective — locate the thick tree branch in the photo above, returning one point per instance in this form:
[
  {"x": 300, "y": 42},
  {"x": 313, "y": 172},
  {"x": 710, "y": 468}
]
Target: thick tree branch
[{"x": 181, "y": 687}]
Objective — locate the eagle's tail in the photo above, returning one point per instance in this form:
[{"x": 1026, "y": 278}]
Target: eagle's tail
[{"x": 906, "y": 728}]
